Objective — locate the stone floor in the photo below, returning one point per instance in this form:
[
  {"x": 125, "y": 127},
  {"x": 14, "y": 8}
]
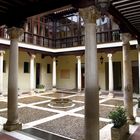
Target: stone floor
[{"x": 41, "y": 121}]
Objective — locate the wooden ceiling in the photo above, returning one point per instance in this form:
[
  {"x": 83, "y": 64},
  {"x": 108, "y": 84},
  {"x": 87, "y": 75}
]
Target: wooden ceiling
[
  {"x": 128, "y": 13},
  {"x": 15, "y": 12}
]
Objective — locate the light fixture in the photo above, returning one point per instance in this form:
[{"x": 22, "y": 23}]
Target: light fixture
[
  {"x": 102, "y": 5},
  {"x": 101, "y": 60}
]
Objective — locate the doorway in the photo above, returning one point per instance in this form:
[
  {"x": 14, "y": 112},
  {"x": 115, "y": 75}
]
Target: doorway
[
  {"x": 135, "y": 75},
  {"x": 37, "y": 74},
  {"x": 117, "y": 76}
]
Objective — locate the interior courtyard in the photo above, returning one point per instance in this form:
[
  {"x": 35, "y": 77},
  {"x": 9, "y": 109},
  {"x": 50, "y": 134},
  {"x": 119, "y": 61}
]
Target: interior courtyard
[{"x": 81, "y": 55}]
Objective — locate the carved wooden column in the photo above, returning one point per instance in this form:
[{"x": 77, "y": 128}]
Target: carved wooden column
[
  {"x": 89, "y": 15},
  {"x": 13, "y": 122},
  {"x": 127, "y": 77}
]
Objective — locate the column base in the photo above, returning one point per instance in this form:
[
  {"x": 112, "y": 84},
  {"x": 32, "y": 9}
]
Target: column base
[
  {"x": 79, "y": 90},
  {"x": 12, "y": 127},
  {"x": 131, "y": 120},
  {"x": 32, "y": 92},
  {"x": 111, "y": 95},
  {"x": 54, "y": 89}
]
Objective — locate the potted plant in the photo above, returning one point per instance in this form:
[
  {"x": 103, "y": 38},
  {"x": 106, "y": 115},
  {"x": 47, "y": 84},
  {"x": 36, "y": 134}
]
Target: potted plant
[
  {"x": 40, "y": 88},
  {"x": 120, "y": 128}
]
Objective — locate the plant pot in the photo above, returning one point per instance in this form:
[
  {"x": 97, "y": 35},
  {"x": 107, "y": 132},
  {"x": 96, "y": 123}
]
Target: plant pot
[{"x": 121, "y": 133}]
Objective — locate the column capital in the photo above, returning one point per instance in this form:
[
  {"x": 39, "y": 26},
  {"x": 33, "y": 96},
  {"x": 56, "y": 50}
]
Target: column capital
[
  {"x": 89, "y": 14},
  {"x": 125, "y": 37},
  {"x": 15, "y": 32},
  {"x": 78, "y": 57},
  {"x": 54, "y": 58},
  {"x": 109, "y": 55},
  {"x": 2, "y": 53},
  {"x": 33, "y": 56}
]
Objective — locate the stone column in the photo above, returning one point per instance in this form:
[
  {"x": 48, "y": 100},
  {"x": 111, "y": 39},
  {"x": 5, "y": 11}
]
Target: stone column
[
  {"x": 79, "y": 72},
  {"x": 54, "y": 74},
  {"x": 13, "y": 122},
  {"x": 139, "y": 64},
  {"x": 127, "y": 77},
  {"x": 89, "y": 15},
  {"x": 1, "y": 71},
  {"x": 111, "y": 81},
  {"x": 32, "y": 74}
]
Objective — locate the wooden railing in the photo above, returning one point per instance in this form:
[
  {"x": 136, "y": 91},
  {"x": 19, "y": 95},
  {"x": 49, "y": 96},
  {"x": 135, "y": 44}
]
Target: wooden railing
[{"x": 73, "y": 41}]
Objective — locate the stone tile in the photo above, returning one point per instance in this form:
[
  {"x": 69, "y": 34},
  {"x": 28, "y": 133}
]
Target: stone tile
[
  {"x": 27, "y": 114},
  {"x": 103, "y": 111},
  {"x": 116, "y": 102},
  {"x": 69, "y": 126},
  {"x": 3, "y": 105},
  {"x": 56, "y": 95},
  {"x": 45, "y": 105},
  {"x": 78, "y": 98},
  {"x": 32, "y": 99}
]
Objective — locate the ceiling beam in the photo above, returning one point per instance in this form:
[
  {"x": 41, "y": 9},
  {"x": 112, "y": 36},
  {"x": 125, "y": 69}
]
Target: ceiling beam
[{"x": 123, "y": 20}]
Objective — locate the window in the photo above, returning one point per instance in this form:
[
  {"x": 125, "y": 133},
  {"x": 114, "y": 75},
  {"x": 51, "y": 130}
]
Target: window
[
  {"x": 26, "y": 67},
  {"x": 4, "y": 66},
  {"x": 48, "y": 68}
]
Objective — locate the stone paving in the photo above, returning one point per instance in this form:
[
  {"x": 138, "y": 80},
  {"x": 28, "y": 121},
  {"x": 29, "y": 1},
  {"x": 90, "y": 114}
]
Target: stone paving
[
  {"x": 27, "y": 114},
  {"x": 117, "y": 102},
  {"x": 32, "y": 99},
  {"x": 3, "y": 104},
  {"x": 69, "y": 122}
]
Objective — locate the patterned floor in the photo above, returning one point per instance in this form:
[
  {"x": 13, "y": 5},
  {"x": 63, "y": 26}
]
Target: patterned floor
[{"x": 66, "y": 122}]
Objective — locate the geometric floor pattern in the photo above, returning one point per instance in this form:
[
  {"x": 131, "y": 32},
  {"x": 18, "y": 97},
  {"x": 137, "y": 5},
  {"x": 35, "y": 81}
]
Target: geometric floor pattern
[{"x": 66, "y": 123}]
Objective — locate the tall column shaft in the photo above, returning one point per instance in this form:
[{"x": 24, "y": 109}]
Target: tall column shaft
[
  {"x": 32, "y": 73},
  {"x": 111, "y": 81},
  {"x": 12, "y": 122},
  {"x": 1, "y": 71},
  {"x": 91, "y": 75},
  {"x": 127, "y": 78},
  {"x": 139, "y": 65},
  {"x": 79, "y": 72},
  {"x": 54, "y": 73}
]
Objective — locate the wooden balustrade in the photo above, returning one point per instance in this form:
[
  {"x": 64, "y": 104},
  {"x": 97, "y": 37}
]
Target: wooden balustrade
[{"x": 73, "y": 41}]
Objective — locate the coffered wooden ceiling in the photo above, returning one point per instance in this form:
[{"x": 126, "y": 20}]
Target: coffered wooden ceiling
[{"x": 14, "y": 12}]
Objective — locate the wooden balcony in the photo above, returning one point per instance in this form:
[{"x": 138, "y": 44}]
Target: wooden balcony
[{"x": 65, "y": 42}]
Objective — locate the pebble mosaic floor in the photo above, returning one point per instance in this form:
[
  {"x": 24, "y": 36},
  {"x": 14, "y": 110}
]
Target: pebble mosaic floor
[{"x": 69, "y": 122}]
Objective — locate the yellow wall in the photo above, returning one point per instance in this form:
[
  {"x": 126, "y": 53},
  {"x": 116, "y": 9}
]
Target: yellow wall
[
  {"x": 66, "y": 64},
  {"x": 24, "y": 78},
  {"x": 116, "y": 56}
]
